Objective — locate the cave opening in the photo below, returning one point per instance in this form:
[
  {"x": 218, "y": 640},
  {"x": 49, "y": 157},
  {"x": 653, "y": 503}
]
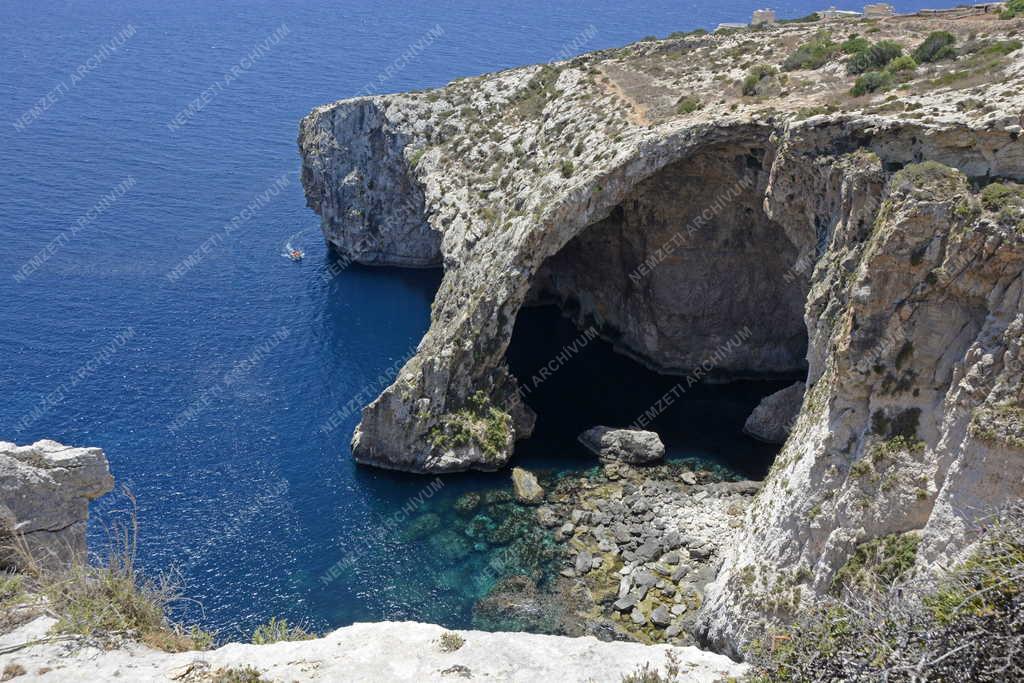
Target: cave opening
[
  {"x": 597, "y": 385},
  {"x": 620, "y": 321}
]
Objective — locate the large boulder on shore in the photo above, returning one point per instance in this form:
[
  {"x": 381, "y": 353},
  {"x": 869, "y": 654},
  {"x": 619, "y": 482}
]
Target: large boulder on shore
[
  {"x": 773, "y": 418},
  {"x": 527, "y": 489},
  {"x": 45, "y": 491},
  {"x": 632, "y": 446}
]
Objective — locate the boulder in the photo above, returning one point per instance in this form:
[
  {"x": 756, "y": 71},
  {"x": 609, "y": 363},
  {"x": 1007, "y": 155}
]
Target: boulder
[
  {"x": 774, "y": 416},
  {"x": 526, "y": 486},
  {"x": 45, "y": 491},
  {"x": 631, "y": 446}
]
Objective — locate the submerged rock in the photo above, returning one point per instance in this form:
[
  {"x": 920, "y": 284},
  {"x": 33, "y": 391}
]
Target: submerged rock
[
  {"x": 773, "y": 418},
  {"x": 467, "y": 503},
  {"x": 632, "y": 446},
  {"x": 526, "y": 486}
]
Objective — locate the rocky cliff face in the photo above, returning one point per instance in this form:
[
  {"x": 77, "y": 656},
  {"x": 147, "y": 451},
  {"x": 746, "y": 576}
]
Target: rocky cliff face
[
  {"x": 45, "y": 491},
  {"x": 863, "y": 240}
]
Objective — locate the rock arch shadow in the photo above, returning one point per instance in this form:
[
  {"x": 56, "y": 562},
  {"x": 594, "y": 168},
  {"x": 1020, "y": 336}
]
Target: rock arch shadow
[{"x": 685, "y": 290}]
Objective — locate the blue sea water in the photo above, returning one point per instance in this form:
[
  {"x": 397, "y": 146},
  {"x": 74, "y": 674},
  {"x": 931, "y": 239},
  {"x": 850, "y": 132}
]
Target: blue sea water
[{"x": 208, "y": 389}]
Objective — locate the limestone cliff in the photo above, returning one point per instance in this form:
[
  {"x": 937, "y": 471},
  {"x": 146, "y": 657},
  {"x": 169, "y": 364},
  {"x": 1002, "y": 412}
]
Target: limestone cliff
[
  {"x": 45, "y": 489},
  {"x": 675, "y": 192}
]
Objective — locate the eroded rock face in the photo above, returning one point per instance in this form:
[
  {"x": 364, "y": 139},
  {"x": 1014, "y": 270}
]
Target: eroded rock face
[
  {"x": 45, "y": 491},
  {"x": 633, "y": 446},
  {"x": 370, "y": 209},
  {"x": 561, "y": 182},
  {"x": 725, "y": 272},
  {"x": 917, "y": 313},
  {"x": 774, "y": 416}
]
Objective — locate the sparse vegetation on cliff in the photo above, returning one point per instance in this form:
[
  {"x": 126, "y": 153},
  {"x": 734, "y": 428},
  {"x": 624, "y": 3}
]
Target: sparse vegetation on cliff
[
  {"x": 110, "y": 600},
  {"x": 963, "y": 625},
  {"x": 757, "y": 76},
  {"x": 813, "y": 54},
  {"x": 479, "y": 422},
  {"x": 278, "y": 631}
]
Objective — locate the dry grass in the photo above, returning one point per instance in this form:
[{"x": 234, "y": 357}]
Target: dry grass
[{"x": 105, "y": 600}]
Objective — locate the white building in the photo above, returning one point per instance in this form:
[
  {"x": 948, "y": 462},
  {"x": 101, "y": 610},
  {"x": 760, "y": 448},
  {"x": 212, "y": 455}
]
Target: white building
[
  {"x": 833, "y": 13},
  {"x": 878, "y": 10},
  {"x": 763, "y": 16}
]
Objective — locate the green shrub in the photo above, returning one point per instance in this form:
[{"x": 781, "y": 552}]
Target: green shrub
[
  {"x": 568, "y": 168},
  {"x": 757, "y": 74},
  {"x": 414, "y": 158},
  {"x": 855, "y": 44},
  {"x": 872, "y": 81},
  {"x": 1001, "y": 47},
  {"x": 874, "y": 58},
  {"x": 996, "y": 196},
  {"x": 806, "y": 19},
  {"x": 237, "y": 674},
  {"x": 450, "y": 641},
  {"x": 904, "y": 63},
  {"x": 937, "y": 46},
  {"x": 812, "y": 55},
  {"x": 279, "y": 631},
  {"x": 961, "y": 624},
  {"x": 687, "y": 104},
  {"x": 878, "y": 563},
  {"x": 1014, "y": 8}
]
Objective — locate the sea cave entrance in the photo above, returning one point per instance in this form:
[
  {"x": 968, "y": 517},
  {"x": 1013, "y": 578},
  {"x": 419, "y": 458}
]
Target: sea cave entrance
[{"x": 687, "y": 272}]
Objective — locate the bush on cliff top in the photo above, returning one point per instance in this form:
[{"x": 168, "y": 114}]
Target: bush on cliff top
[
  {"x": 1014, "y": 8},
  {"x": 813, "y": 54},
  {"x": 963, "y": 625},
  {"x": 937, "y": 46},
  {"x": 753, "y": 84},
  {"x": 873, "y": 58}
]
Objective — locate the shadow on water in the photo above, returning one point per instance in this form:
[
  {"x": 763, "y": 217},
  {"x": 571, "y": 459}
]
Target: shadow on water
[{"x": 597, "y": 386}]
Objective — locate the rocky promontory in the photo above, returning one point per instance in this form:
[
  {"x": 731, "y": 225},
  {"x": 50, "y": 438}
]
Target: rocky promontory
[
  {"x": 45, "y": 489},
  {"x": 835, "y": 200}
]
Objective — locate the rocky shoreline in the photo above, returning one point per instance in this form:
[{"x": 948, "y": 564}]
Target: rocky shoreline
[{"x": 639, "y": 545}]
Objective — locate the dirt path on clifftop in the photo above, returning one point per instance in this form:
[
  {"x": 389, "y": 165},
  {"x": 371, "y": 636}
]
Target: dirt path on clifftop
[{"x": 637, "y": 112}]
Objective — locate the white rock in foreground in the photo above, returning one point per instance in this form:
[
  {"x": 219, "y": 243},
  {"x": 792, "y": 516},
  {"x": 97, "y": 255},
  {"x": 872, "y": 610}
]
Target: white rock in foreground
[{"x": 388, "y": 652}]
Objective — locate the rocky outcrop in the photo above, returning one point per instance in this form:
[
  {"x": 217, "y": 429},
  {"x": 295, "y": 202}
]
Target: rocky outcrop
[
  {"x": 385, "y": 652},
  {"x": 526, "y": 487},
  {"x": 45, "y": 491},
  {"x": 641, "y": 191},
  {"x": 916, "y": 312},
  {"x": 631, "y": 446},
  {"x": 774, "y": 416}
]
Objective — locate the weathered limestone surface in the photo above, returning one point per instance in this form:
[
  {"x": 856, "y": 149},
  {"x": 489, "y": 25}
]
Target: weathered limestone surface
[
  {"x": 913, "y": 418},
  {"x": 576, "y": 183},
  {"x": 384, "y": 652},
  {"x": 633, "y": 446},
  {"x": 45, "y": 491},
  {"x": 774, "y": 416}
]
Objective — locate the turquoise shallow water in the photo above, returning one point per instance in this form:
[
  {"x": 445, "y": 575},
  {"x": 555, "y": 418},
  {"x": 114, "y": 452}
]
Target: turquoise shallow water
[{"x": 208, "y": 389}]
